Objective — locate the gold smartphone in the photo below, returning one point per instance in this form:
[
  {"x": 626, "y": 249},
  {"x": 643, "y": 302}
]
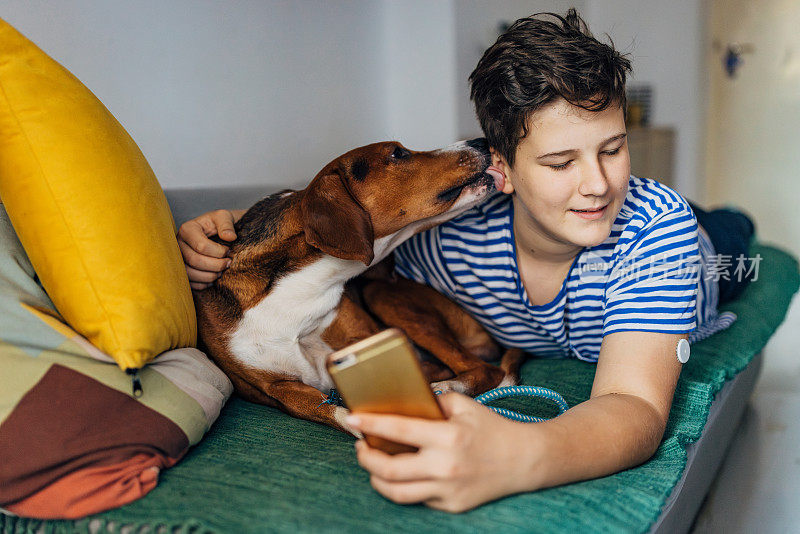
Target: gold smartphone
[{"x": 381, "y": 374}]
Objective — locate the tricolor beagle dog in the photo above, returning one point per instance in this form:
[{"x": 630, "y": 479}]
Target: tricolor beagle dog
[{"x": 281, "y": 307}]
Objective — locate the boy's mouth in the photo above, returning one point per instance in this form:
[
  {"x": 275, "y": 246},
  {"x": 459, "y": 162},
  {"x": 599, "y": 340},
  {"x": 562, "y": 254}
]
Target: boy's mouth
[{"x": 591, "y": 213}]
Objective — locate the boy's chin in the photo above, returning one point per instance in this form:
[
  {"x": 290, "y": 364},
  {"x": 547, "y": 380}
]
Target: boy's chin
[{"x": 590, "y": 239}]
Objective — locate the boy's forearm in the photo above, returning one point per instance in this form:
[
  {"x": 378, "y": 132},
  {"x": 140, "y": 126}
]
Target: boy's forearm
[{"x": 601, "y": 436}]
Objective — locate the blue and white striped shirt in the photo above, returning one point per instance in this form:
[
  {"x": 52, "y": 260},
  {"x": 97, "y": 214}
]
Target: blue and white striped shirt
[{"x": 648, "y": 275}]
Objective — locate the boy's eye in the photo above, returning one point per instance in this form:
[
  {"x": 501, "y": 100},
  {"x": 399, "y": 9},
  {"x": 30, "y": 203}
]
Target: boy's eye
[
  {"x": 560, "y": 166},
  {"x": 612, "y": 152}
]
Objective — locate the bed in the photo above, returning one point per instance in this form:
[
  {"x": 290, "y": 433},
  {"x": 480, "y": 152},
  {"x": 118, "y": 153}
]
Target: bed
[{"x": 259, "y": 470}]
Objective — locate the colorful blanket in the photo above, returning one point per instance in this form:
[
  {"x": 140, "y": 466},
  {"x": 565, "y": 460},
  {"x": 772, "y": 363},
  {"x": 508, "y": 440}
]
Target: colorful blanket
[{"x": 73, "y": 439}]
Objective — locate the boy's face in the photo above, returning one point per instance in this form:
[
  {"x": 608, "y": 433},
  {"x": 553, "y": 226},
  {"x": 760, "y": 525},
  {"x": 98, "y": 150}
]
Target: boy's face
[{"x": 570, "y": 174}]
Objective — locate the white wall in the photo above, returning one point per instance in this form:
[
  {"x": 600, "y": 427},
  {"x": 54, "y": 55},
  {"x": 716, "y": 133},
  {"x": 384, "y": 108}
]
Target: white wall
[
  {"x": 217, "y": 92},
  {"x": 420, "y": 72},
  {"x": 665, "y": 41}
]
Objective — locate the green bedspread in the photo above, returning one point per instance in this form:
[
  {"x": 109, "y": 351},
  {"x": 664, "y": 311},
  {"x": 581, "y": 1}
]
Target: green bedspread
[{"x": 259, "y": 470}]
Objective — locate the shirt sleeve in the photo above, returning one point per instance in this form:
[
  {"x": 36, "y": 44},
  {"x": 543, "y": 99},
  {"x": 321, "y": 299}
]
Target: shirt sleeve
[
  {"x": 420, "y": 259},
  {"x": 654, "y": 282}
]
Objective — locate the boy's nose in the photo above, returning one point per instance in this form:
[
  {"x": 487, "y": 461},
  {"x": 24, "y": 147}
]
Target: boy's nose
[{"x": 593, "y": 181}]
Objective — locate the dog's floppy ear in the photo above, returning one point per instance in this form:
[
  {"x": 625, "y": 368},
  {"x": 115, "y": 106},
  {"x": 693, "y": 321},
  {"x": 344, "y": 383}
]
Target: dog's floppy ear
[{"x": 334, "y": 221}]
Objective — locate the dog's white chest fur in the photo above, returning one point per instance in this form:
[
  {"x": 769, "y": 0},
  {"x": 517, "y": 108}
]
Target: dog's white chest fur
[{"x": 283, "y": 333}]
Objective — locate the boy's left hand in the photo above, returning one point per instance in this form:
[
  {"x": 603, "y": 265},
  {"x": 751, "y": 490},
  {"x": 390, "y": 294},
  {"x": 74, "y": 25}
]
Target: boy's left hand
[{"x": 473, "y": 457}]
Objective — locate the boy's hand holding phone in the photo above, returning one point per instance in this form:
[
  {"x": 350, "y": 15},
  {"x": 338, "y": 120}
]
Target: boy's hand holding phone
[
  {"x": 381, "y": 374},
  {"x": 448, "y": 451},
  {"x": 472, "y": 457}
]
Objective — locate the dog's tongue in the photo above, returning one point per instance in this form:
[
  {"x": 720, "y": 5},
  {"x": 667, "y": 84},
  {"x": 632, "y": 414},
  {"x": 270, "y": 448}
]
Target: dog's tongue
[{"x": 499, "y": 177}]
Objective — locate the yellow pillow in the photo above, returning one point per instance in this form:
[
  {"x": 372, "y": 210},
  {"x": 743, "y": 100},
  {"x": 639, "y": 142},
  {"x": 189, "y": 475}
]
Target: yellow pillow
[{"x": 89, "y": 210}]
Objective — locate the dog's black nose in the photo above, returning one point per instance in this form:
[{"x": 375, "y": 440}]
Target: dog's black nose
[{"x": 479, "y": 144}]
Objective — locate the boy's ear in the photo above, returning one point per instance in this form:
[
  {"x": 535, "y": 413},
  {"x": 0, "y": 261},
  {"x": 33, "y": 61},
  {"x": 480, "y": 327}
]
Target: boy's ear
[{"x": 500, "y": 162}]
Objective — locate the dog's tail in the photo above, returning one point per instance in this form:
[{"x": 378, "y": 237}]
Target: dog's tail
[{"x": 511, "y": 363}]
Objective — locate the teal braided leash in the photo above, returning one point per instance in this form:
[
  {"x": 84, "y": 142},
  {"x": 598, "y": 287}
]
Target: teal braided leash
[
  {"x": 493, "y": 395},
  {"x": 517, "y": 391}
]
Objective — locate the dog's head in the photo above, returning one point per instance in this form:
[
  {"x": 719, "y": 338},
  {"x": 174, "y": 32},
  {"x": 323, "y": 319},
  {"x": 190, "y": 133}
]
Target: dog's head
[{"x": 369, "y": 200}]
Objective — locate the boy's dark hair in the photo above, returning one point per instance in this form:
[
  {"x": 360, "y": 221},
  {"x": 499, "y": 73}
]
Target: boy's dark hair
[{"x": 535, "y": 62}]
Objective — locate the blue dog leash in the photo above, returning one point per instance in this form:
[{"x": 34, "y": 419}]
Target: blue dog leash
[
  {"x": 495, "y": 394},
  {"x": 522, "y": 391}
]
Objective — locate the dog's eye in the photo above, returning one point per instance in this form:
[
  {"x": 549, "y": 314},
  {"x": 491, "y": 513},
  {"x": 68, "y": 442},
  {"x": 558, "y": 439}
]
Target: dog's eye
[{"x": 400, "y": 153}]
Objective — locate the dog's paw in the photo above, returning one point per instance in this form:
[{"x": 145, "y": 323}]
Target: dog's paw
[
  {"x": 339, "y": 414},
  {"x": 508, "y": 380},
  {"x": 446, "y": 386}
]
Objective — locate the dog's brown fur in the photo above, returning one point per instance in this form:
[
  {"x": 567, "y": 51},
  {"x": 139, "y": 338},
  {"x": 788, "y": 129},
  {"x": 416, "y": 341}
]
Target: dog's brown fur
[{"x": 365, "y": 195}]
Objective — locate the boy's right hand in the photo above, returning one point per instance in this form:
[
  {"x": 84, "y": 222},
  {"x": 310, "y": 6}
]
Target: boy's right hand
[{"x": 205, "y": 259}]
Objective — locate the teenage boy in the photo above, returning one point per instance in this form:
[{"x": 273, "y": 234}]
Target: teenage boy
[{"x": 573, "y": 257}]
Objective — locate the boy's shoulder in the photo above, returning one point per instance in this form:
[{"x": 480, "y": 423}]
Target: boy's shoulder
[
  {"x": 648, "y": 200},
  {"x": 652, "y": 213}
]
